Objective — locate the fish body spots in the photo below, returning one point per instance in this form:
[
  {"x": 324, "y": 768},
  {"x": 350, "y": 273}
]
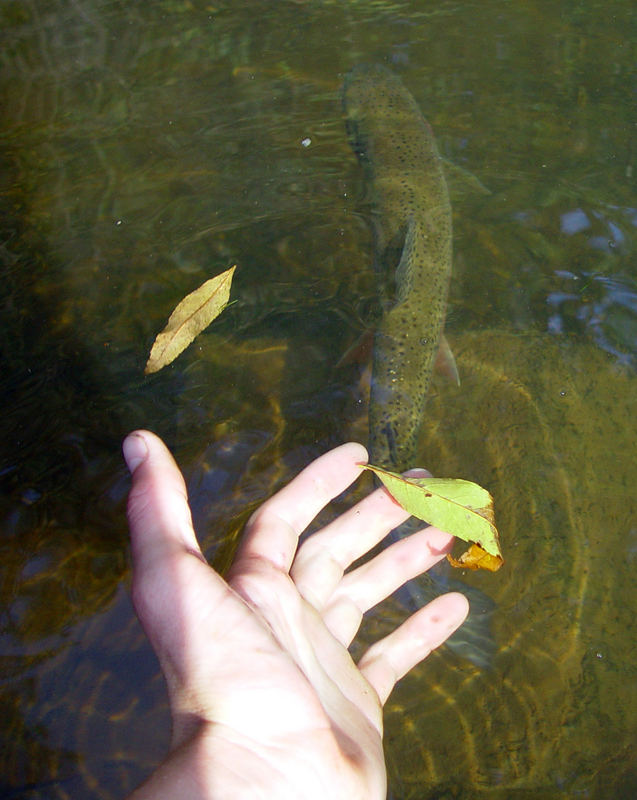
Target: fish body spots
[{"x": 398, "y": 153}]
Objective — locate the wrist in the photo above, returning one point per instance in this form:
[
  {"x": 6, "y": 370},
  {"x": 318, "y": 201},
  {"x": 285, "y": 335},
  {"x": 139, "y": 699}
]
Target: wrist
[{"x": 210, "y": 766}]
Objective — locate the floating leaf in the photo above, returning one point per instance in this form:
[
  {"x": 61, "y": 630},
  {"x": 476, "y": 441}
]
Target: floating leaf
[
  {"x": 194, "y": 313},
  {"x": 456, "y": 506}
]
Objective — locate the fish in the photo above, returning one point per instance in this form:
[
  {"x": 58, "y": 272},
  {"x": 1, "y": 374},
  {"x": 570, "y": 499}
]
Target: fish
[
  {"x": 412, "y": 254},
  {"x": 412, "y": 257}
]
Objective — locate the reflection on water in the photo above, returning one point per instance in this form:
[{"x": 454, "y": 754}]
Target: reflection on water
[
  {"x": 145, "y": 148},
  {"x": 605, "y": 305}
]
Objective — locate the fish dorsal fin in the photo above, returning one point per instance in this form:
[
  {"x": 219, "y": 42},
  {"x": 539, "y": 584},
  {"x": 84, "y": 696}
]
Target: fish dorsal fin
[{"x": 403, "y": 275}]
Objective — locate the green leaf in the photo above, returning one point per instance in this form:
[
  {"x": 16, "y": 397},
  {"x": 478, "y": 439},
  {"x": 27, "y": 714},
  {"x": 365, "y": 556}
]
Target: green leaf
[
  {"x": 194, "y": 313},
  {"x": 456, "y": 506}
]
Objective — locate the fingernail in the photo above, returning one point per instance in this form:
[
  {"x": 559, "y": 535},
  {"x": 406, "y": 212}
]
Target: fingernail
[
  {"x": 417, "y": 472},
  {"x": 135, "y": 451}
]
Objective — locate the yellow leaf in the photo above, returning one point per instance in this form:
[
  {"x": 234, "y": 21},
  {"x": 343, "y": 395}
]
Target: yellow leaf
[
  {"x": 194, "y": 313},
  {"x": 476, "y": 558}
]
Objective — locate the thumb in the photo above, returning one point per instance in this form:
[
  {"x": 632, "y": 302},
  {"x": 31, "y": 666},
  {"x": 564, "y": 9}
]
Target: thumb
[{"x": 158, "y": 513}]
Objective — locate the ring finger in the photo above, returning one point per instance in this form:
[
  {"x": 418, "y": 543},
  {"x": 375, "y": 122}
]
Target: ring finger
[{"x": 369, "y": 584}]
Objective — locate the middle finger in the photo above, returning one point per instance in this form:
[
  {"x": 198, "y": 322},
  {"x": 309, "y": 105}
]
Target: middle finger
[{"x": 323, "y": 558}]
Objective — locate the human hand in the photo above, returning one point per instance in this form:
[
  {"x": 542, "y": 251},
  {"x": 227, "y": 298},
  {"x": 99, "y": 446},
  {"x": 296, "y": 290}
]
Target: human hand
[{"x": 265, "y": 698}]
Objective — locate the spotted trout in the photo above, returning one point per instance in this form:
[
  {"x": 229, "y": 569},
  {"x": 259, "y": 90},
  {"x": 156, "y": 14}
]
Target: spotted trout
[{"x": 412, "y": 242}]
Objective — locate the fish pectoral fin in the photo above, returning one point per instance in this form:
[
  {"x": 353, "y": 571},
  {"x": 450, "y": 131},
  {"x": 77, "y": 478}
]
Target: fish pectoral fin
[
  {"x": 462, "y": 182},
  {"x": 445, "y": 361}
]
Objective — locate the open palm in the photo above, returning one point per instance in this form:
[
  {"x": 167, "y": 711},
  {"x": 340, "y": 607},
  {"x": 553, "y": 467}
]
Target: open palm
[{"x": 265, "y": 698}]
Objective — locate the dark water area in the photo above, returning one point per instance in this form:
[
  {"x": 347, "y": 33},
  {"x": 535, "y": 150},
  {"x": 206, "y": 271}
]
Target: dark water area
[{"x": 145, "y": 148}]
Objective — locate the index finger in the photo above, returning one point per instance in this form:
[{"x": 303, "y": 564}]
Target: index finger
[{"x": 273, "y": 531}]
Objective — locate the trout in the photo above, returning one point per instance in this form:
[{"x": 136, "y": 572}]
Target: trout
[{"x": 412, "y": 244}]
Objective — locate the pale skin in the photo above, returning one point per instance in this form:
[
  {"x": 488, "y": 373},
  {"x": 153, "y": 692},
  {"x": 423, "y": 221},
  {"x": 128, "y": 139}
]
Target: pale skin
[{"x": 265, "y": 698}]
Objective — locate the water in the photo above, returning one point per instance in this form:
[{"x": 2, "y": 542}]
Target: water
[{"x": 146, "y": 148}]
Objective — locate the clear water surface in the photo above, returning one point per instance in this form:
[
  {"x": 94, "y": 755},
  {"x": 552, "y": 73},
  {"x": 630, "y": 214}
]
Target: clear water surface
[{"x": 146, "y": 147}]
